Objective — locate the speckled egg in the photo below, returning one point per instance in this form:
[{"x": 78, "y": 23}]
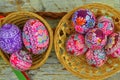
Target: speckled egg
[
  {"x": 75, "y": 44},
  {"x": 106, "y": 24},
  {"x": 83, "y": 20},
  {"x": 21, "y": 60},
  {"x": 113, "y": 45},
  {"x": 10, "y": 38},
  {"x": 96, "y": 58},
  {"x": 35, "y": 36},
  {"x": 95, "y": 39}
]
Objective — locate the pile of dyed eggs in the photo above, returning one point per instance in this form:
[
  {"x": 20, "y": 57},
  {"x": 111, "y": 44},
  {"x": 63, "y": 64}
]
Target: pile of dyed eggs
[
  {"x": 34, "y": 37},
  {"x": 93, "y": 37}
]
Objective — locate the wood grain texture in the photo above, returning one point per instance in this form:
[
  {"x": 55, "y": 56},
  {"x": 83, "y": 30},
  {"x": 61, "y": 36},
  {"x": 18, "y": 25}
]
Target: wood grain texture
[
  {"x": 52, "y": 69},
  {"x": 50, "y": 5}
]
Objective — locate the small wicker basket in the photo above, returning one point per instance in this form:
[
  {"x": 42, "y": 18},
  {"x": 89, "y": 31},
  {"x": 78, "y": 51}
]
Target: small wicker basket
[
  {"x": 19, "y": 18},
  {"x": 78, "y": 65}
]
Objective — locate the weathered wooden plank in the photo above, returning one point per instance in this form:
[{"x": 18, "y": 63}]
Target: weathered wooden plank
[
  {"x": 52, "y": 69},
  {"x": 50, "y": 5}
]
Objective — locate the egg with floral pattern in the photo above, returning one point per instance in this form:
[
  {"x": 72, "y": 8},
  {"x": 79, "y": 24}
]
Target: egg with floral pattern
[
  {"x": 95, "y": 39},
  {"x": 113, "y": 45},
  {"x": 83, "y": 20},
  {"x": 75, "y": 44},
  {"x": 96, "y": 58},
  {"x": 10, "y": 38},
  {"x": 21, "y": 60},
  {"x": 105, "y": 23},
  {"x": 35, "y": 36}
]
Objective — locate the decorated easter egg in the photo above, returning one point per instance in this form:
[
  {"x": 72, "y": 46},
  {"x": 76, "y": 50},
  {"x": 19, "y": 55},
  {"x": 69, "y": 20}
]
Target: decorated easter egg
[
  {"x": 95, "y": 39},
  {"x": 113, "y": 45},
  {"x": 106, "y": 24},
  {"x": 35, "y": 36},
  {"x": 96, "y": 58},
  {"x": 75, "y": 44},
  {"x": 21, "y": 60},
  {"x": 10, "y": 38},
  {"x": 83, "y": 20}
]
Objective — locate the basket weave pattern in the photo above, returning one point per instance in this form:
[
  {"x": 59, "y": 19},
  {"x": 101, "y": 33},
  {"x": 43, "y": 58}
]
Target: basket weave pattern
[
  {"x": 19, "y": 19},
  {"x": 78, "y": 65}
]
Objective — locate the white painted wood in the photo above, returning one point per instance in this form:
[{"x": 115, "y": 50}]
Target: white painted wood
[
  {"x": 52, "y": 69},
  {"x": 51, "y": 5}
]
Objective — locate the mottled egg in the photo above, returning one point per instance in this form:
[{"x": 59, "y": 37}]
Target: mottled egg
[
  {"x": 35, "y": 36},
  {"x": 83, "y": 20},
  {"x": 96, "y": 58},
  {"x": 21, "y": 60},
  {"x": 95, "y": 39},
  {"x": 106, "y": 24},
  {"x": 75, "y": 44},
  {"x": 113, "y": 45},
  {"x": 10, "y": 38}
]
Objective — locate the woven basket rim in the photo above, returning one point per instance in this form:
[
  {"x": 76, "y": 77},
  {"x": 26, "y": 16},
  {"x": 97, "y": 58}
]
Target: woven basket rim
[
  {"x": 48, "y": 51},
  {"x": 55, "y": 42}
]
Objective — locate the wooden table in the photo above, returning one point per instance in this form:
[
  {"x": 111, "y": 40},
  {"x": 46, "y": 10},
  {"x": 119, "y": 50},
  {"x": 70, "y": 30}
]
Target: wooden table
[{"x": 52, "y": 69}]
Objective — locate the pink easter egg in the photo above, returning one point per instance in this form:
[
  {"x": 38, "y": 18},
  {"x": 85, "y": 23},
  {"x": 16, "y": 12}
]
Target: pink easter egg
[
  {"x": 96, "y": 58},
  {"x": 35, "y": 36},
  {"x": 106, "y": 24},
  {"x": 21, "y": 60},
  {"x": 113, "y": 45},
  {"x": 75, "y": 44}
]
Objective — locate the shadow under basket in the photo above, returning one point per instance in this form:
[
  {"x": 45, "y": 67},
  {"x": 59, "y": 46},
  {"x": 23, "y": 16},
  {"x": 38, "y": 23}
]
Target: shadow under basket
[
  {"x": 19, "y": 19},
  {"x": 77, "y": 64}
]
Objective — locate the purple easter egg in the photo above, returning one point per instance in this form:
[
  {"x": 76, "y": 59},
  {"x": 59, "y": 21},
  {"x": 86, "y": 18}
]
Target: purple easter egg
[
  {"x": 83, "y": 20},
  {"x": 95, "y": 39},
  {"x": 10, "y": 38}
]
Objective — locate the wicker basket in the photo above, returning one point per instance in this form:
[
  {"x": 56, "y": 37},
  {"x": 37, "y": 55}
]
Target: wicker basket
[
  {"x": 78, "y": 65},
  {"x": 19, "y": 19}
]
